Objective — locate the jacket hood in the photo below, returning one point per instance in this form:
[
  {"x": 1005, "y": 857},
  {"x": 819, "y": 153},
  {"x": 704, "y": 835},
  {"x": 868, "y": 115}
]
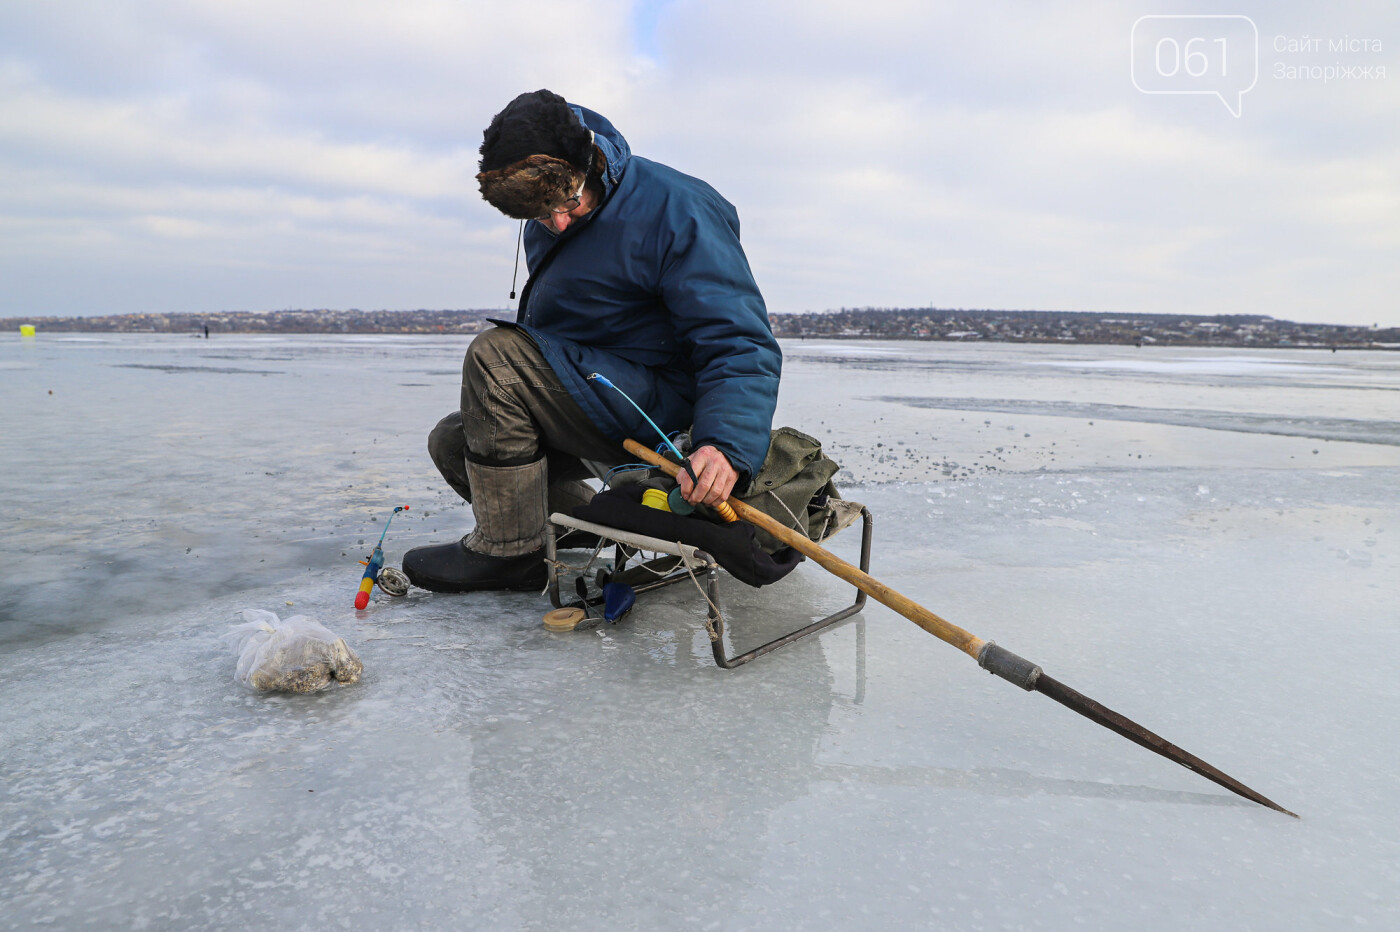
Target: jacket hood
[{"x": 606, "y": 137}]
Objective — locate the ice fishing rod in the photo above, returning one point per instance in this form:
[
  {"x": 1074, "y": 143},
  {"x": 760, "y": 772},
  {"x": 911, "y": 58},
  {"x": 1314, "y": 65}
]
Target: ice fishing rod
[
  {"x": 604, "y": 380},
  {"x": 677, "y": 503},
  {"x": 375, "y": 563},
  {"x": 990, "y": 657}
]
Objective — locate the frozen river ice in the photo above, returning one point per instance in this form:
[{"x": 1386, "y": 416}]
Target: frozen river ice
[{"x": 1203, "y": 540}]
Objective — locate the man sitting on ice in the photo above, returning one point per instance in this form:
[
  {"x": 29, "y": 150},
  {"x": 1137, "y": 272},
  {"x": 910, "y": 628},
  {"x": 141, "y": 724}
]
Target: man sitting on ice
[{"x": 635, "y": 272}]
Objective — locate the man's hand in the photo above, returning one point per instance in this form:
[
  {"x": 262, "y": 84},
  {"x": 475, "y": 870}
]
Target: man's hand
[{"x": 716, "y": 477}]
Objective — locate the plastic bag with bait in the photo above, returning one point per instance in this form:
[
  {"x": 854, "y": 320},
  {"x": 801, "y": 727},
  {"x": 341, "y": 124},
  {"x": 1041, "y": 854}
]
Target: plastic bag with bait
[{"x": 297, "y": 655}]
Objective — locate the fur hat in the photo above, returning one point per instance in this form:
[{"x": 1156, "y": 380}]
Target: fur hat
[{"x": 535, "y": 154}]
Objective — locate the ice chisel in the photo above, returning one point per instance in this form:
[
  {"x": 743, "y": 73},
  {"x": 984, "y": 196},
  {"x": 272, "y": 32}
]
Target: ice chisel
[{"x": 988, "y": 655}]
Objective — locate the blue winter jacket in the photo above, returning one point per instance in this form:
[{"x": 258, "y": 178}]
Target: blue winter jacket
[{"x": 652, "y": 289}]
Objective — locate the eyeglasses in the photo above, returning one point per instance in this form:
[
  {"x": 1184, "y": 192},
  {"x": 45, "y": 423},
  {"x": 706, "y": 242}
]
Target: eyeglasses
[{"x": 573, "y": 203}]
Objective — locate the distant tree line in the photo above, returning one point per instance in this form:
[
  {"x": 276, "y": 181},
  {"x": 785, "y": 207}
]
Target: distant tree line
[
  {"x": 845, "y": 323},
  {"x": 1077, "y": 327}
]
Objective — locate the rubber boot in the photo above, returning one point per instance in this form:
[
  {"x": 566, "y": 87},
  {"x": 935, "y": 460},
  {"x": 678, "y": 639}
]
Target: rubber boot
[{"x": 506, "y": 551}]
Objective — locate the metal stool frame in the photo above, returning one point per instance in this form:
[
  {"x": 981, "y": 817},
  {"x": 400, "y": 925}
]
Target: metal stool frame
[{"x": 694, "y": 559}]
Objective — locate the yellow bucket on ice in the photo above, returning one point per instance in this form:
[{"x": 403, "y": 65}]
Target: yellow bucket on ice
[{"x": 26, "y": 330}]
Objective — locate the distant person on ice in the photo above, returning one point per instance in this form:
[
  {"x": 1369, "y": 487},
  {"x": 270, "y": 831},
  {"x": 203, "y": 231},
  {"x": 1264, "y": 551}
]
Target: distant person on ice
[{"x": 635, "y": 272}]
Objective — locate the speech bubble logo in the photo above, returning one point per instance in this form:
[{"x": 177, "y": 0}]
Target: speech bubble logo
[{"x": 1181, "y": 54}]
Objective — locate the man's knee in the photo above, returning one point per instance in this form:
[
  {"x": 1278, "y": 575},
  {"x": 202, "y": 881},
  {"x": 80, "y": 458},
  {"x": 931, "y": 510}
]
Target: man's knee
[
  {"x": 497, "y": 362},
  {"x": 496, "y": 347},
  {"x": 446, "y": 441},
  {"x": 447, "y": 445}
]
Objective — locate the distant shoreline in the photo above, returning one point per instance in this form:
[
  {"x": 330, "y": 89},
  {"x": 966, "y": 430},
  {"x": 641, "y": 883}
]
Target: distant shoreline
[{"x": 919, "y": 324}]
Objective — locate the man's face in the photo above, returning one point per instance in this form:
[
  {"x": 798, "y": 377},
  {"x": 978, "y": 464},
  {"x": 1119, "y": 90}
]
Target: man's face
[{"x": 558, "y": 223}]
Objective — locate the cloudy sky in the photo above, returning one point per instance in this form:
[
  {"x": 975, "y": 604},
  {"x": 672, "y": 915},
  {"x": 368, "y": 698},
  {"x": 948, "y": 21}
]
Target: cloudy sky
[{"x": 202, "y": 155}]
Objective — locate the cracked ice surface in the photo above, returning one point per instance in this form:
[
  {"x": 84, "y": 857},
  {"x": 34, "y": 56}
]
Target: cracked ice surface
[{"x": 1202, "y": 540}]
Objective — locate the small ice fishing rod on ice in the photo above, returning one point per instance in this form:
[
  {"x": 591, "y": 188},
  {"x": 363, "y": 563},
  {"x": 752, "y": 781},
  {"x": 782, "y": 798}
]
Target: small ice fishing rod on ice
[{"x": 374, "y": 564}]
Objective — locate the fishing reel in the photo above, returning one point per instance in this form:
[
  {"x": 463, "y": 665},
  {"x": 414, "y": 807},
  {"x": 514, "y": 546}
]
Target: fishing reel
[{"x": 392, "y": 582}]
